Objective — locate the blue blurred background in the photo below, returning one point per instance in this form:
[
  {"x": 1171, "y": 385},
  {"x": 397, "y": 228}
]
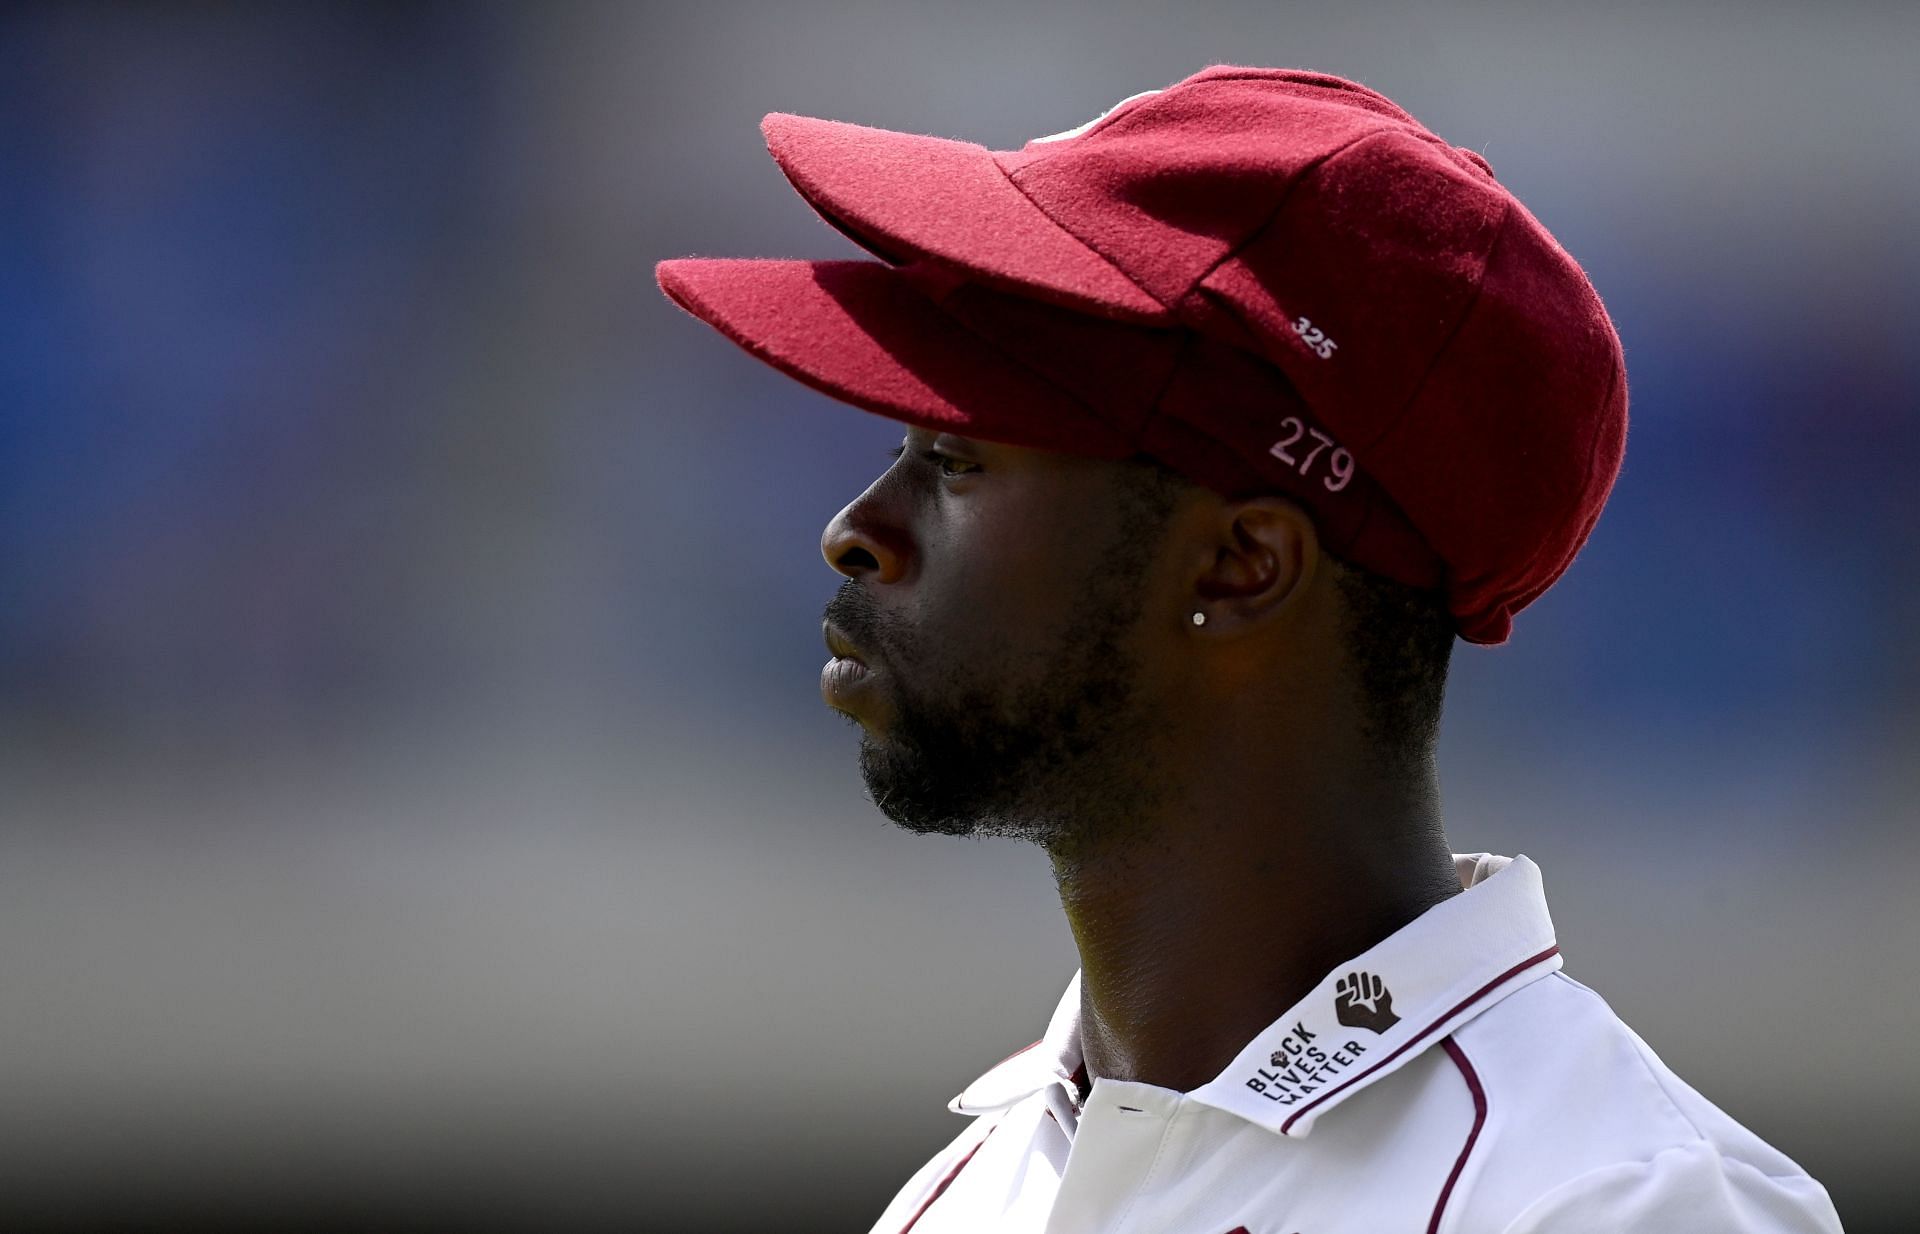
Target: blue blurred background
[{"x": 416, "y": 805}]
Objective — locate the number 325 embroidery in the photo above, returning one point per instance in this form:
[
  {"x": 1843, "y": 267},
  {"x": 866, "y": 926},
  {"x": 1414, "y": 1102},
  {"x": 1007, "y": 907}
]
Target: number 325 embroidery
[{"x": 1316, "y": 337}]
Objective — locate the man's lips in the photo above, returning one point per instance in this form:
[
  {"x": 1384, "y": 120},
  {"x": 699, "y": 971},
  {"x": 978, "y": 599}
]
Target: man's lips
[
  {"x": 843, "y": 680},
  {"x": 839, "y": 644},
  {"x": 846, "y": 677}
]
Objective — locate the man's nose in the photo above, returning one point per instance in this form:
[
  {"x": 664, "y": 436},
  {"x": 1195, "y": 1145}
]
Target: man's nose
[{"x": 856, "y": 546}]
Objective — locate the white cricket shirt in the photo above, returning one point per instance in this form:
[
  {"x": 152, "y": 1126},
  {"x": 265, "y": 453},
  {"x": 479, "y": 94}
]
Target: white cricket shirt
[{"x": 1448, "y": 1080}]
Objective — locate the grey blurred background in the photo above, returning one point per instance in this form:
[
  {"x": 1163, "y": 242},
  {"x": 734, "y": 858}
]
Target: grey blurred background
[{"x": 416, "y": 805}]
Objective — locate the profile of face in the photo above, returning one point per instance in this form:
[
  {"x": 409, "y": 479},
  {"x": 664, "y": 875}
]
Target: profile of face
[{"x": 996, "y": 594}]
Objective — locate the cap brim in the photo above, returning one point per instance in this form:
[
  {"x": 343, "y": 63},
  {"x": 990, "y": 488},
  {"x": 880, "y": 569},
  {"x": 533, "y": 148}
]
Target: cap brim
[
  {"x": 864, "y": 333},
  {"x": 904, "y": 196}
]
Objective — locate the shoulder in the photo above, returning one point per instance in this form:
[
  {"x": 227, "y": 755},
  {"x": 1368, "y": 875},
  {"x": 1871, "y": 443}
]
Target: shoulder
[
  {"x": 1583, "y": 1127},
  {"x": 1693, "y": 1187}
]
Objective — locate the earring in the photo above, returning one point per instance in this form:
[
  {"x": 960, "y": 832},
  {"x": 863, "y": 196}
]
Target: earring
[{"x": 1199, "y": 619}]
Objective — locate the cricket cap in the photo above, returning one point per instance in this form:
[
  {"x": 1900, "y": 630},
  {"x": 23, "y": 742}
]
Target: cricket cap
[{"x": 1271, "y": 280}]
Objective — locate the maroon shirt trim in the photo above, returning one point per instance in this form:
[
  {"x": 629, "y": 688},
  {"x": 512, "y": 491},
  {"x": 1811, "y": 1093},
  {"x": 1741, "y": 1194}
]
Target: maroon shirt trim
[
  {"x": 1472, "y": 1078},
  {"x": 951, "y": 1175}
]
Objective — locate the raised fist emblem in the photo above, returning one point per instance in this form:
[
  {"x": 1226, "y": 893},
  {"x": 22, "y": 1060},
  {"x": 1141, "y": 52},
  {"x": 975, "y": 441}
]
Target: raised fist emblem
[{"x": 1362, "y": 1000}]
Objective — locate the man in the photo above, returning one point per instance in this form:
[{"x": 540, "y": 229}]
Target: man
[{"x": 1227, "y": 411}]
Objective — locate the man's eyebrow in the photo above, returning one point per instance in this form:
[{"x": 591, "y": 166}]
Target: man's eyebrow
[{"x": 926, "y": 437}]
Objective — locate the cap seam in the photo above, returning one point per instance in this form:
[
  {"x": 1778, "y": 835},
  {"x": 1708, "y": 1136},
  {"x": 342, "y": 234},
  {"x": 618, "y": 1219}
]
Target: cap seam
[
  {"x": 1077, "y": 239},
  {"x": 1279, "y": 205},
  {"x": 1400, "y": 119},
  {"x": 1400, "y": 114},
  {"x": 1466, "y": 314}
]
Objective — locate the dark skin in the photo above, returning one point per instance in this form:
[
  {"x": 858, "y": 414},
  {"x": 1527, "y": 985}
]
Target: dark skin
[{"x": 1221, "y": 833}]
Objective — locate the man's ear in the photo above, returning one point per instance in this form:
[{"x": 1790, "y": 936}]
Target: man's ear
[{"x": 1265, "y": 556}]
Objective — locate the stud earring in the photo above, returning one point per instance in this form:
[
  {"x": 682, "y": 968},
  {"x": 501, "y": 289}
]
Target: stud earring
[{"x": 1199, "y": 619}]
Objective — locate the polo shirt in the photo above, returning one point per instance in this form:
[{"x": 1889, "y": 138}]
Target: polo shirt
[{"x": 1449, "y": 1079}]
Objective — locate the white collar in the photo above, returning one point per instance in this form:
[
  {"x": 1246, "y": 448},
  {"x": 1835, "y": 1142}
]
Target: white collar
[{"x": 1438, "y": 971}]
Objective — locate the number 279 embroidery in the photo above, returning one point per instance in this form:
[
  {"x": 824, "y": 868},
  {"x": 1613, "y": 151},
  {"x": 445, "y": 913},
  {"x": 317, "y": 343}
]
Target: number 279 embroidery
[{"x": 1339, "y": 463}]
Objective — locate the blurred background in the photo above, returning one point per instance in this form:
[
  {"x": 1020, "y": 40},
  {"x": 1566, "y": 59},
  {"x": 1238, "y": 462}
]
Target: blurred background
[{"x": 417, "y": 810}]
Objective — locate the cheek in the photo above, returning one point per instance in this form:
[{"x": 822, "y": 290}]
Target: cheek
[
  {"x": 976, "y": 606},
  {"x": 1008, "y": 576}
]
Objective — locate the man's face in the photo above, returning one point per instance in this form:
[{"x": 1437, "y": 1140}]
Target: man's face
[{"x": 995, "y": 594}]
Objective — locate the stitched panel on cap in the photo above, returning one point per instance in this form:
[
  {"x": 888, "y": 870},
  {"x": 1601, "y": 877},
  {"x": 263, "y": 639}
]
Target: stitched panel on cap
[{"x": 1165, "y": 191}]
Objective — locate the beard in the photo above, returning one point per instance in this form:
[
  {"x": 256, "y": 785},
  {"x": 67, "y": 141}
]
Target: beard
[{"x": 1063, "y": 761}]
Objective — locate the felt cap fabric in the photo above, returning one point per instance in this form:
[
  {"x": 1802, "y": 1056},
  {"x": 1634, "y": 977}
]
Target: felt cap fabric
[{"x": 1270, "y": 279}]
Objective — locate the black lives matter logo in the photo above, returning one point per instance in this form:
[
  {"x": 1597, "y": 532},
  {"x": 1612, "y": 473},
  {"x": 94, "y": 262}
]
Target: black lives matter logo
[
  {"x": 1362, "y": 1000},
  {"x": 1303, "y": 1065}
]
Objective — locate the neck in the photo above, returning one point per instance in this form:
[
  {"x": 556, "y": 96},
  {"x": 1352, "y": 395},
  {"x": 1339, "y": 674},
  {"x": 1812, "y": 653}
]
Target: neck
[{"x": 1198, "y": 932}]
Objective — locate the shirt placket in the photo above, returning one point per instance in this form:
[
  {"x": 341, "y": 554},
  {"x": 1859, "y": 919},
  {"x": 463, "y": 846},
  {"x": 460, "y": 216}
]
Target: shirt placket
[{"x": 1123, "y": 1129}]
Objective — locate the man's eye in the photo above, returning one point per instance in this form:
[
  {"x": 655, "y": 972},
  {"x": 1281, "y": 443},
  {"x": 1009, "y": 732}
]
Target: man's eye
[{"x": 938, "y": 460}]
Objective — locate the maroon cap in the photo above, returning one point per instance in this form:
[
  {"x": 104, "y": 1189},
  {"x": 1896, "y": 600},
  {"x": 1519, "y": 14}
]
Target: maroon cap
[{"x": 1269, "y": 279}]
